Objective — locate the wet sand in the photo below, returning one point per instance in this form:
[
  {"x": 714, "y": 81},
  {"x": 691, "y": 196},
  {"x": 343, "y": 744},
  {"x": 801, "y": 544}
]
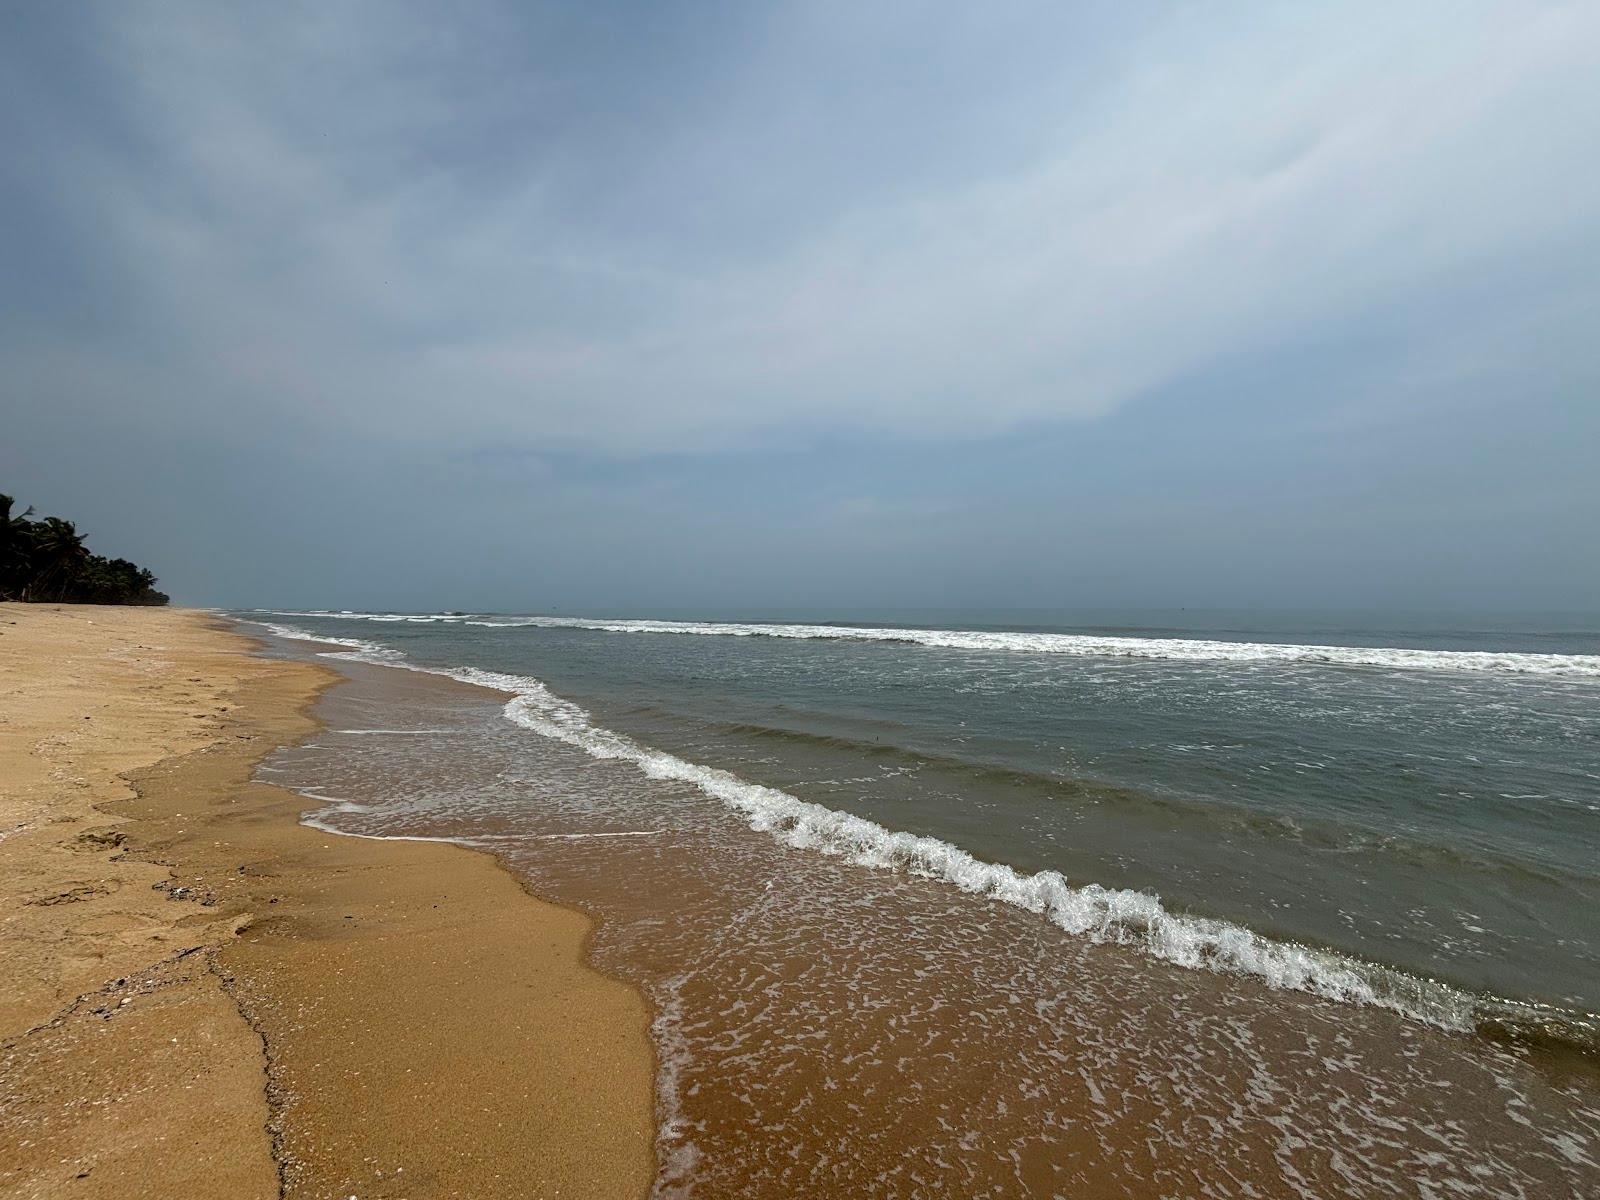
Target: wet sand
[
  {"x": 828, "y": 1030},
  {"x": 204, "y": 998}
]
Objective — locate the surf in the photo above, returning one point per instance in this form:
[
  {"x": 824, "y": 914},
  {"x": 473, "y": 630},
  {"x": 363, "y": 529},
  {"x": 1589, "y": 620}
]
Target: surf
[
  {"x": 1075, "y": 644},
  {"x": 1098, "y": 914}
]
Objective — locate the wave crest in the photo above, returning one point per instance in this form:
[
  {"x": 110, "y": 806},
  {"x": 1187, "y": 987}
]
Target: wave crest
[
  {"x": 1081, "y": 645},
  {"x": 1117, "y": 916}
]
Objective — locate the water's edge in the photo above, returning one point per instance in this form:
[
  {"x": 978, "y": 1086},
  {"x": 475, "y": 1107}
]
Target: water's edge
[
  {"x": 664, "y": 1099},
  {"x": 1136, "y": 919}
]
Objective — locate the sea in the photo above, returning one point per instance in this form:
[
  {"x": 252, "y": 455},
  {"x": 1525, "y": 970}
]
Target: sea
[{"x": 1034, "y": 904}]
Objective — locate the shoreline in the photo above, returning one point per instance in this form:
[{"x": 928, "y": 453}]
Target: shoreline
[
  {"x": 316, "y": 1014},
  {"x": 827, "y": 1029},
  {"x": 1323, "y": 970}
]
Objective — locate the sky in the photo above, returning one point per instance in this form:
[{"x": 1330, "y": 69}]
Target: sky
[{"x": 646, "y": 308}]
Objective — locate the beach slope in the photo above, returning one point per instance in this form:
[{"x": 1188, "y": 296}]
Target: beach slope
[{"x": 203, "y": 997}]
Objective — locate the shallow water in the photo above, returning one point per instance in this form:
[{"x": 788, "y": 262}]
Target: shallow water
[
  {"x": 827, "y": 1028},
  {"x": 1442, "y": 818}
]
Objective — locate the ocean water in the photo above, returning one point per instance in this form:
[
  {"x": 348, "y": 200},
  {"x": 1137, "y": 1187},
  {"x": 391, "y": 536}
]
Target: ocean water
[{"x": 1039, "y": 906}]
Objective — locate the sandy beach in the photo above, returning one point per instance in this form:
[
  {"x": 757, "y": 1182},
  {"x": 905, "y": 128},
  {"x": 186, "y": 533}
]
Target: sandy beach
[
  {"x": 800, "y": 601},
  {"x": 203, "y": 997}
]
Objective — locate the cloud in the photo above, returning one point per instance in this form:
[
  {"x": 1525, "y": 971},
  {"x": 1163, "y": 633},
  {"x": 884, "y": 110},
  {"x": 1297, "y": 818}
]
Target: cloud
[{"x": 355, "y": 221}]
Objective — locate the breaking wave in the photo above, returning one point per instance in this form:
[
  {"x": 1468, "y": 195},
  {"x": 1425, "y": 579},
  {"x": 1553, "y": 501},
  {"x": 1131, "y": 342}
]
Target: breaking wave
[
  {"x": 1104, "y": 915},
  {"x": 1081, "y": 645}
]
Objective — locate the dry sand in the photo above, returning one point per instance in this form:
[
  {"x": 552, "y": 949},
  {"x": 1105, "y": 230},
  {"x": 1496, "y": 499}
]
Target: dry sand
[{"x": 200, "y": 997}]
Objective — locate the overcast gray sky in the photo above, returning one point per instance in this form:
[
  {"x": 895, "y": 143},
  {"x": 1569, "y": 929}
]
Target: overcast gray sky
[{"x": 645, "y": 306}]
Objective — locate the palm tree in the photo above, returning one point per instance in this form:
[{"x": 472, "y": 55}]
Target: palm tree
[
  {"x": 47, "y": 560},
  {"x": 16, "y": 538},
  {"x": 59, "y": 554}
]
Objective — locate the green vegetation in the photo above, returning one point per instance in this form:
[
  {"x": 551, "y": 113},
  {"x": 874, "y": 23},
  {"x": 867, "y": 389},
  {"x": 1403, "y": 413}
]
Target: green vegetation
[{"x": 46, "y": 560}]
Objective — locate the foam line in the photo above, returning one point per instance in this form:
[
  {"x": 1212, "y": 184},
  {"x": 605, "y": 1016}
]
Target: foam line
[
  {"x": 1080, "y": 645},
  {"x": 406, "y": 732},
  {"x": 1116, "y": 916}
]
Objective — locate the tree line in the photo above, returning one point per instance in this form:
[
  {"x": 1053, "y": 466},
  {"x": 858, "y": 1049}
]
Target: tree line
[{"x": 45, "y": 560}]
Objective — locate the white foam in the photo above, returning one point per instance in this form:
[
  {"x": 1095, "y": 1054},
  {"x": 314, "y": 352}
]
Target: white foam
[
  {"x": 313, "y": 821},
  {"x": 303, "y": 635},
  {"x": 1081, "y": 645},
  {"x": 336, "y": 805},
  {"x": 674, "y": 1145},
  {"x": 395, "y": 732},
  {"x": 1103, "y": 915}
]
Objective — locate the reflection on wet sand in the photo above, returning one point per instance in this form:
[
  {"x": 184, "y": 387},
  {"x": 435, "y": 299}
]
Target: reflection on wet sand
[{"x": 824, "y": 1029}]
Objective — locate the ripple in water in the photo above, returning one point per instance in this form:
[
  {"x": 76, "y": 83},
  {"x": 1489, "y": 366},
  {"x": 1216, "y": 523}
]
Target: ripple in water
[{"x": 827, "y": 1029}]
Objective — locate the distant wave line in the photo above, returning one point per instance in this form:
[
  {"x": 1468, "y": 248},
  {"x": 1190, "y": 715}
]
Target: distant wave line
[
  {"x": 1073, "y": 644},
  {"x": 1118, "y": 916}
]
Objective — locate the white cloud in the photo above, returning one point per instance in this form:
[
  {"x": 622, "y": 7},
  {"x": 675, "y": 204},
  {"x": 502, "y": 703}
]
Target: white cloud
[{"x": 320, "y": 242}]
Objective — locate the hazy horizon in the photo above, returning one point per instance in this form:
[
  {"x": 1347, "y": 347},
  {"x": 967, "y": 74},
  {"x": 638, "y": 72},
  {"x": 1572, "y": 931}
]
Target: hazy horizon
[
  {"x": 619, "y": 308},
  {"x": 1258, "y": 619}
]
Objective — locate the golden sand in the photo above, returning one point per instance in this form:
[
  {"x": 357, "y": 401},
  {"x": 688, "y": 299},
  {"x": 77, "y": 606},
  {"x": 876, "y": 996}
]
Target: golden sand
[{"x": 201, "y": 997}]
